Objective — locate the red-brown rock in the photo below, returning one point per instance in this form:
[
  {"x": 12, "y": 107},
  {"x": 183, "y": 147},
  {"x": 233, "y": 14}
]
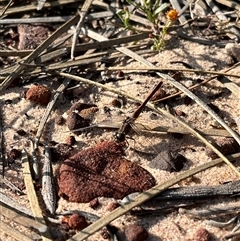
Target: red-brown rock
[
  {"x": 77, "y": 222},
  {"x": 135, "y": 233},
  {"x": 101, "y": 171},
  {"x": 39, "y": 94},
  {"x": 202, "y": 235}
]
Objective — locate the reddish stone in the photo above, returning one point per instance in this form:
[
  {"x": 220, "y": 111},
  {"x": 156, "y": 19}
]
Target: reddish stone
[
  {"x": 32, "y": 35},
  {"x": 112, "y": 206},
  {"x": 70, "y": 140},
  {"x": 202, "y": 235},
  {"x": 101, "y": 171},
  {"x": 77, "y": 222},
  {"x": 94, "y": 203},
  {"x": 135, "y": 233},
  {"x": 39, "y": 94}
]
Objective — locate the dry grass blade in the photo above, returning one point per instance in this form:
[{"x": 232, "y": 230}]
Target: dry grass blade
[
  {"x": 1, "y": 151},
  {"x": 200, "y": 71},
  {"x": 14, "y": 205},
  {"x": 5, "y": 9},
  {"x": 13, "y": 232},
  {"x": 229, "y": 3},
  {"x": 85, "y": 233},
  {"x": 48, "y": 185},
  {"x": 82, "y": 14},
  {"x": 37, "y": 212},
  {"x": 230, "y": 85},
  {"x": 48, "y": 110},
  {"x": 21, "y": 218},
  {"x": 32, "y": 7}
]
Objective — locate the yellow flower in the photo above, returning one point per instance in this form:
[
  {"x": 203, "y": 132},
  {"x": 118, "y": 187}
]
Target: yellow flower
[{"x": 172, "y": 14}]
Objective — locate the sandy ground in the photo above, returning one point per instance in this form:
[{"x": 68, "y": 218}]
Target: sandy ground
[{"x": 170, "y": 227}]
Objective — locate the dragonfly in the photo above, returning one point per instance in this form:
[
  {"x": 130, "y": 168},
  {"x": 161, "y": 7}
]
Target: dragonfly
[{"x": 127, "y": 124}]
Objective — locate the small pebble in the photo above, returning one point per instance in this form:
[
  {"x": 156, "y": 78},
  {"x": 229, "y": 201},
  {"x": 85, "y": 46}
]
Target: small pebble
[
  {"x": 105, "y": 234},
  {"x": 135, "y": 233},
  {"x": 70, "y": 140},
  {"x": 77, "y": 222},
  {"x": 59, "y": 120},
  {"x": 116, "y": 103},
  {"x": 39, "y": 94},
  {"x": 94, "y": 203},
  {"x": 14, "y": 154},
  {"x": 79, "y": 106},
  {"x": 178, "y": 76},
  {"x": 21, "y": 132},
  {"x": 202, "y": 235},
  {"x": 120, "y": 74},
  {"x": 75, "y": 121},
  {"x": 233, "y": 50},
  {"x": 112, "y": 206},
  {"x": 180, "y": 113}
]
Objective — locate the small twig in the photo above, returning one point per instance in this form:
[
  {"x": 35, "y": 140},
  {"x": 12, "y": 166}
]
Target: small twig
[
  {"x": 82, "y": 14},
  {"x": 11, "y": 186},
  {"x": 48, "y": 185},
  {"x": 48, "y": 110},
  {"x": 13, "y": 232},
  {"x": 197, "y": 192},
  {"x": 37, "y": 212},
  {"x": 35, "y": 164},
  {"x": 32, "y": 7},
  {"x": 231, "y": 235},
  {"x": 5, "y": 9},
  {"x": 1, "y": 151},
  {"x": 14, "y": 205},
  {"x": 198, "y": 71},
  {"x": 214, "y": 210},
  {"x": 21, "y": 218}
]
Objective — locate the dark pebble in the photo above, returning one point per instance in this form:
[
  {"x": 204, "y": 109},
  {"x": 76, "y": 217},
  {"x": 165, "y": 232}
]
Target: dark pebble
[{"x": 14, "y": 154}]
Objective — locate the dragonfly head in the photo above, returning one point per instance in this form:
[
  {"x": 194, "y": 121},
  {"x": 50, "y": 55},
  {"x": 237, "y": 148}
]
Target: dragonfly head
[{"x": 119, "y": 137}]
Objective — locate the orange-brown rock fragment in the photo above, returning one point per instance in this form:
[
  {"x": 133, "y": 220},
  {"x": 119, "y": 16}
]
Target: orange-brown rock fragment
[
  {"x": 39, "y": 94},
  {"x": 101, "y": 171}
]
